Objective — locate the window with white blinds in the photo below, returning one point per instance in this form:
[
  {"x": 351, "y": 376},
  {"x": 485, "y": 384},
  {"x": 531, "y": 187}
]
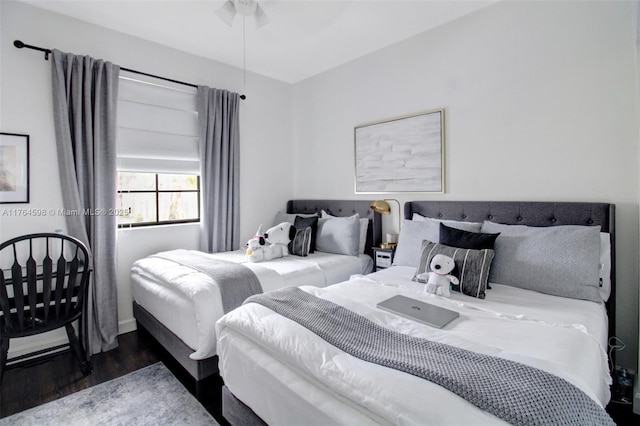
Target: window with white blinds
[
  {"x": 157, "y": 152},
  {"x": 157, "y": 126}
]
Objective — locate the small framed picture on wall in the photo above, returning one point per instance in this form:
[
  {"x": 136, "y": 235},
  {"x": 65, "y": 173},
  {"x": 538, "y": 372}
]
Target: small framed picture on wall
[{"x": 14, "y": 168}]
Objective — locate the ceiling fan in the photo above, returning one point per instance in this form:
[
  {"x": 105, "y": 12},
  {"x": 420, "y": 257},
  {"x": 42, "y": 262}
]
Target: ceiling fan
[{"x": 228, "y": 11}]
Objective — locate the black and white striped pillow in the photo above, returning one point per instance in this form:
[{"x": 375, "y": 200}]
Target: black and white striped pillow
[
  {"x": 472, "y": 266},
  {"x": 301, "y": 243}
]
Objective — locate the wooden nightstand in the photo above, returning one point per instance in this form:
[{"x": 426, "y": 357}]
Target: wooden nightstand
[{"x": 382, "y": 258}]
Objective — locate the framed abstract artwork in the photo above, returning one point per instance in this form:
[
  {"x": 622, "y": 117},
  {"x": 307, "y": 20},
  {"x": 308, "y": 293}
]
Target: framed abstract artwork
[
  {"x": 403, "y": 154},
  {"x": 14, "y": 168}
]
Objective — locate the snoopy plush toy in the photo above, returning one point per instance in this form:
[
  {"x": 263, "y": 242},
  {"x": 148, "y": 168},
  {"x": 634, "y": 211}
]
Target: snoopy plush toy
[
  {"x": 439, "y": 278},
  {"x": 278, "y": 237}
]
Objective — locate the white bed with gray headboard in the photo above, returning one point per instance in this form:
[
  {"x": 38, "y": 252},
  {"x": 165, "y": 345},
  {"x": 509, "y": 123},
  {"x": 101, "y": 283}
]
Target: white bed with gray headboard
[
  {"x": 535, "y": 304},
  {"x": 175, "y": 298}
]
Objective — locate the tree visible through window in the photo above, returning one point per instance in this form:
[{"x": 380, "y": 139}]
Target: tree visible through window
[{"x": 158, "y": 198}]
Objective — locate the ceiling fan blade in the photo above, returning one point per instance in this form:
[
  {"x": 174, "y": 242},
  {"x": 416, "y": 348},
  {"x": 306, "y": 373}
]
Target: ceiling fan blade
[
  {"x": 227, "y": 12},
  {"x": 261, "y": 17}
]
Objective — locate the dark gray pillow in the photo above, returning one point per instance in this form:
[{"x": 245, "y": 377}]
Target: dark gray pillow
[
  {"x": 464, "y": 239},
  {"x": 302, "y": 222},
  {"x": 415, "y": 231},
  {"x": 340, "y": 235},
  {"x": 301, "y": 243},
  {"x": 558, "y": 260},
  {"x": 472, "y": 266}
]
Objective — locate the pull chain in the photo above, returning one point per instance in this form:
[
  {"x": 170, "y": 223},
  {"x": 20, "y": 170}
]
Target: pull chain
[{"x": 244, "y": 52}]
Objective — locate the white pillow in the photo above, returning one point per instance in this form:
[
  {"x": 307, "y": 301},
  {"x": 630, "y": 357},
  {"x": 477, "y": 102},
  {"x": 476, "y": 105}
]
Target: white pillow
[
  {"x": 289, "y": 217},
  {"x": 604, "y": 271},
  {"x": 364, "y": 224}
]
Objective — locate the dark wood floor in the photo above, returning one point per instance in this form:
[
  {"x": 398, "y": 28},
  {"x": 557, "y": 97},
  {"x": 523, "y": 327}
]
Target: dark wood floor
[
  {"x": 623, "y": 414},
  {"x": 26, "y": 387}
]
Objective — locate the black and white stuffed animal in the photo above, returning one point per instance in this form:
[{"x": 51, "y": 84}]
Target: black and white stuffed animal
[
  {"x": 278, "y": 237},
  {"x": 439, "y": 278},
  {"x": 255, "y": 247}
]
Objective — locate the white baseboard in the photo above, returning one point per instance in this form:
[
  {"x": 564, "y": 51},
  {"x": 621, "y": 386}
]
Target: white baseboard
[
  {"x": 26, "y": 345},
  {"x": 34, "y": 345},
  {"x": 127, "y": 326}
]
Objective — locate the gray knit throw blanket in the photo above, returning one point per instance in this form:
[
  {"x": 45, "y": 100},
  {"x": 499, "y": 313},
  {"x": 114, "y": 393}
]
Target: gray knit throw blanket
[{"x": 514, "y": 392}]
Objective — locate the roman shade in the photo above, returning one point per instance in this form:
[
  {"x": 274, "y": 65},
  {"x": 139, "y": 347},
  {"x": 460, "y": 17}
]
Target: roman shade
[{"x": 157, "y": 126}]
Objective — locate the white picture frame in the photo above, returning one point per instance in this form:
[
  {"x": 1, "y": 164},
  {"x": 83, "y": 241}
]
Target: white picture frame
[{"x": 399, "y": 155}]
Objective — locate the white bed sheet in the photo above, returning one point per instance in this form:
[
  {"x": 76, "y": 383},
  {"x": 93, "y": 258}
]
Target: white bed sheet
[
  {"x": 156, "y": 283},
  {"x": 287, "y": 375}
]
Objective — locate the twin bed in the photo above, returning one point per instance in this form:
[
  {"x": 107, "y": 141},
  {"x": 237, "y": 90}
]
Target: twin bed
[
  {"x": 178, "y": 302},
  {"x": 534, "y": 339}
]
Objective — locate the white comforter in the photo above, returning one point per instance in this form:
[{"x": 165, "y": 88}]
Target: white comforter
[
  {"x": 188, "y": 302},
  {"x": 288, "y": 375}
]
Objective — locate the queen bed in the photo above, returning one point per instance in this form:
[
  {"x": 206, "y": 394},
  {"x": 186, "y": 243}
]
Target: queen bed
[
  {"x": 177, "y": 298},
  {"x": 545, "y": 340}
]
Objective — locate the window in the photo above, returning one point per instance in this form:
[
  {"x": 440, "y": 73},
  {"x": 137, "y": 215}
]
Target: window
[
  {"x": 158, "y": 198},
  {"x": 157, "y": 152}
]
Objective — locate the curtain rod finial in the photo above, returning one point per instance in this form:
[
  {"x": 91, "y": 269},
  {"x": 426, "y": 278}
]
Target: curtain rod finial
[{"x": 18, "y": 44}]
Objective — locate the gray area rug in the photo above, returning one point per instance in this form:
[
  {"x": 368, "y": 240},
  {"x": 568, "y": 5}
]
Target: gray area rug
[{"x": 149, "y": 396}]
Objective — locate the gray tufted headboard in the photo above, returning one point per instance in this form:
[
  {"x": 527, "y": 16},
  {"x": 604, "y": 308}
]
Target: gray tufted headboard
[
  {"x": 344, "y": 208},
  {"x": 529, "y": 213}
]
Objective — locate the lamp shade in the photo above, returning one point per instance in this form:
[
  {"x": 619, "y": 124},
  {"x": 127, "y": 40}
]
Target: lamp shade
[{"x": 380, "y": 206}]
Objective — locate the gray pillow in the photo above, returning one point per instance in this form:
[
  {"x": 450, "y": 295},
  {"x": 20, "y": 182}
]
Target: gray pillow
[
  {"x": 415, "y": 231},
  {"x": 472, "y": 266},
  {"x": 340, "y": 235},
  {"x": 558, "y": 260},
  {"x": 364, "y": 225},
  {"x": 301, "y": 243}
]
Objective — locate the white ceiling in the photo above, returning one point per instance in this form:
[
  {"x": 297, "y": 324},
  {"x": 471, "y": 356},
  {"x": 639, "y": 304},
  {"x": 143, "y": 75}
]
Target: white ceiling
[{"x": 302, "y": 38}]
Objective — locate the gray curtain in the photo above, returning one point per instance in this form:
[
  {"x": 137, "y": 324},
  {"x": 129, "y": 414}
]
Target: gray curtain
[
  {"x": 84, "y": 107},
  {"x": 218, "y": 117}
]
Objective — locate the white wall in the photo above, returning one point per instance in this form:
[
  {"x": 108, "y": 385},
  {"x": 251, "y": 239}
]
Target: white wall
[
  {"x": 25, "y": 107},
  {"x": 539, "y": 102}
]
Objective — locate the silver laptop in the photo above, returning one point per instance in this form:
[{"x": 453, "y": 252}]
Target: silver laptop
[{"x": 413, "y": 309}]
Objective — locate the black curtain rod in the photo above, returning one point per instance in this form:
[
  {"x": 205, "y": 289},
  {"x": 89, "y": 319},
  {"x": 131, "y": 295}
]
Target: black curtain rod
[{"x": 21, "y": 45}]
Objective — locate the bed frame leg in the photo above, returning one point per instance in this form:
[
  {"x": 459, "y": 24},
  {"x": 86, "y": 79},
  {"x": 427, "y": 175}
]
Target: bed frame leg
[
  {"x": 199, "y": 390},
  {"x": 209, "y": 393}
]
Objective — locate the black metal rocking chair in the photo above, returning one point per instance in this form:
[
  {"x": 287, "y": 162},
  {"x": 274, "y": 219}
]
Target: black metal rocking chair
[{"x": 43, "y": 286}]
